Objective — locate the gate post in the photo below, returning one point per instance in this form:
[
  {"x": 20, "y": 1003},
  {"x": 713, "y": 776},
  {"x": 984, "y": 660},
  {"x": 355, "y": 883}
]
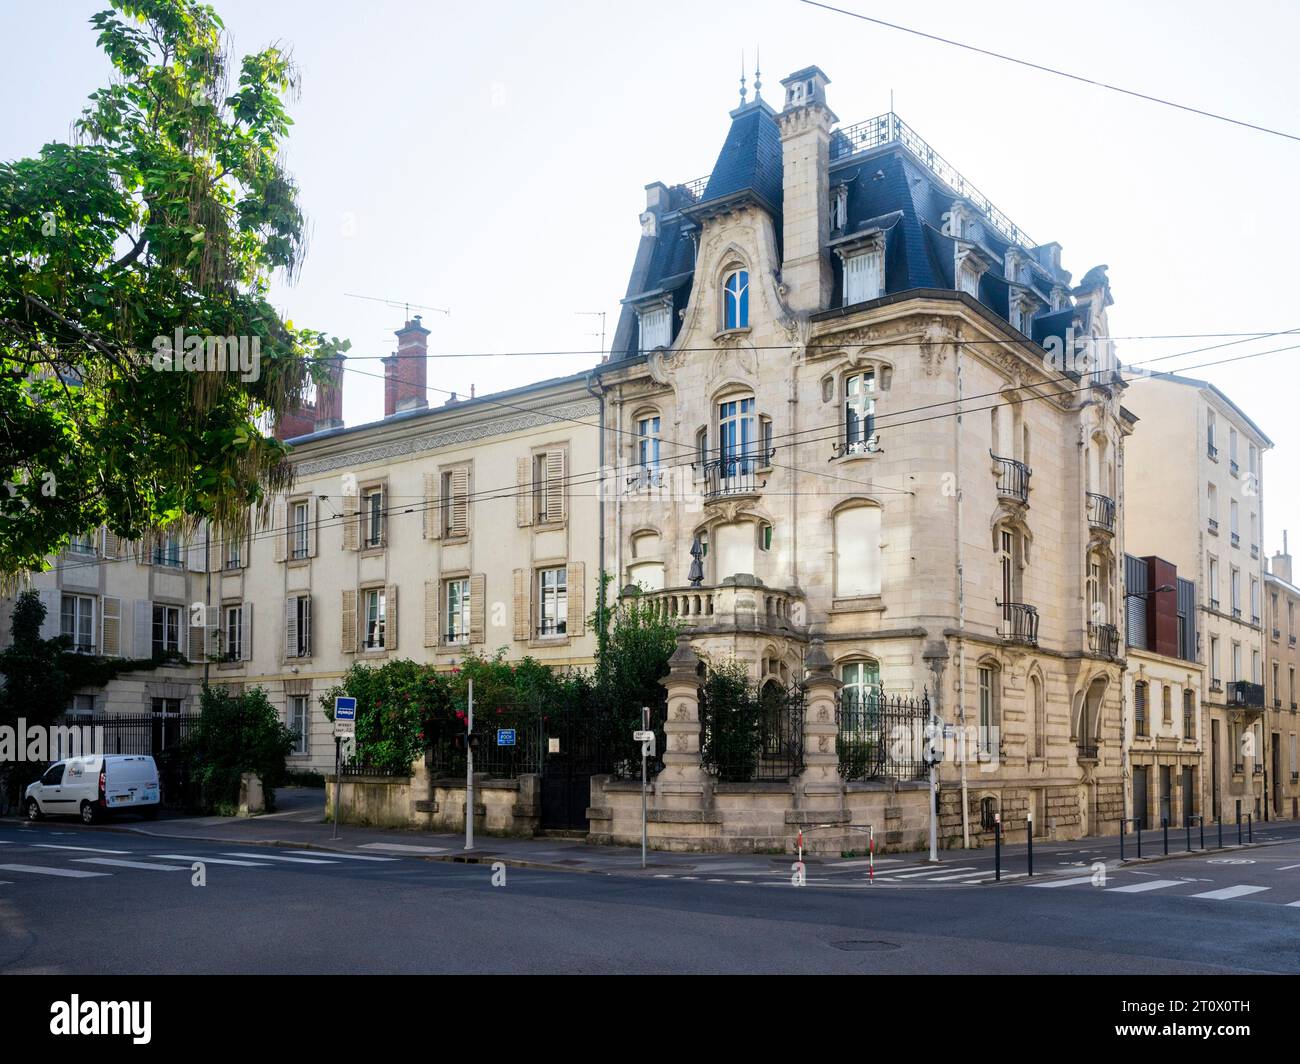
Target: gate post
[
  {"x": 680, "y": 785},
  {"x": 819, "y": 793}
]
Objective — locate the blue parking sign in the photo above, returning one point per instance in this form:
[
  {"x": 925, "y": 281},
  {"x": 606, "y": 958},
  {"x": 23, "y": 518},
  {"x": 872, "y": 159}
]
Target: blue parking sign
[
  {"x": 345, "y": 708},
  {"x": 505, "y": 737}
]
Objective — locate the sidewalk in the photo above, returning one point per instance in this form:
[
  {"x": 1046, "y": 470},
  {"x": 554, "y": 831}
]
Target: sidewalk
[{"x": 299, "y": 823}]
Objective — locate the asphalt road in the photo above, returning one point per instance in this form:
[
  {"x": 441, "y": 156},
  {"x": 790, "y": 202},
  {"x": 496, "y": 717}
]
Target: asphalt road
[{"x": 76, "y": 900}]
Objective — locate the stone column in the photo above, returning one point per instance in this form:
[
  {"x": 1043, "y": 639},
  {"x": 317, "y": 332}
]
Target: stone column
[
  {"x": 681, "y": 784},
  {"x": 820, "y": 791}
]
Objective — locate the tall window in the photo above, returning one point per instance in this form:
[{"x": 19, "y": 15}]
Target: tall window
[
  {"x": 1189, "y": 715},
  {"x": 298, "y": 544},
  {"x": 375, "y": 616},
  {"x": 1214, "y": 659},
  {"x": 77, "y": 622},
  {"x": 647, "y": 442},
  {"x": 167, "y": 550},
  {"x": 234, "y": 628},
  {"x": 299, "y": 635},
  {"x": 861, "y": 681},
  {"x": 1236, "y": 591},
  {"x": 166, "y": 713},
  {"x": 1039, "y": 710},
  {"x": 552, "y": 602},
  {"x": 455, "y": 503},
  {"x": 857, "y": 552},
  {"x": 736, "y": 299},
  {"x": 862, "y": 280},
  {"x": 1139, "y": 709},
  {"x": 656, "y": 327},
  {"x": 1211, "y": 440},
  {"x": 988, "y": 710},
  {"x": 457, "y": 611},
  {"x": 860, "y": 412},
  {"x": 1213, "y": 582},
  {"x": 372, "y": 517},
  {"x": 298, "y": 723},
  {"x": 1167, "y": 704},
  {"x": 736, "y": 443},
  {"x": 234, "y": 555},
  {"x": 166, "y": 629}
]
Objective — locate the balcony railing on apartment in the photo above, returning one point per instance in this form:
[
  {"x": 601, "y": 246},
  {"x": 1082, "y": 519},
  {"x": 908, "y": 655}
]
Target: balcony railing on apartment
[
  {"x": 645, "y": 477},
  {"x": 1212, "y": 451},
  {"x": 1233, "y": 468},
  {"x": 1216, "y": 684},
  {"x": 1246, "y": 695},
  {"x": 1236, "y": 539},
  {"x": 1101, "y": 512},
  {"x": 1277, "y": 703},
  {"x": 1013, "y": 478},
  {"x": 1214, "y": 604},
  {"x": 1087, "y": 751},
  {"x": 867, "y": 445},
  {"x": 1104, "y": 639},
  {"x": 1214, "y": 525},
  {"x": 734, "y": 474},
  {"x": 1277, "y": 633},
  {"x": 1290, "y": 640},
  {"x": 1254, "y": 550},
  {"x": 1019, "y": 623}
]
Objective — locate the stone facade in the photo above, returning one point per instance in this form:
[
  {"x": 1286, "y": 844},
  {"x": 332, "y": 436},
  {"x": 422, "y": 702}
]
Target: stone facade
[{"x": 1281, "y": 664}]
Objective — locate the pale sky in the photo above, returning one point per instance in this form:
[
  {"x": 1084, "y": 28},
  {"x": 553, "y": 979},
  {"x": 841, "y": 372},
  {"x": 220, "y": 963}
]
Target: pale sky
[{"x": 491, "y": 157}]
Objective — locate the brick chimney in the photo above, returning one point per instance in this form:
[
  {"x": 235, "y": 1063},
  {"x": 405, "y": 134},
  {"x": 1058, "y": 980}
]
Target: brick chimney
[
  {"x": 329, "y": 398},
  {"x": 1281, "y": 564},
  {"x": 805, "y": 211},
  {"x": 406, "y": 372}
]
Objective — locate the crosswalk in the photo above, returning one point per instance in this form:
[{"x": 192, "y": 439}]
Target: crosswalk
[{"x": 1188, "y": 889}]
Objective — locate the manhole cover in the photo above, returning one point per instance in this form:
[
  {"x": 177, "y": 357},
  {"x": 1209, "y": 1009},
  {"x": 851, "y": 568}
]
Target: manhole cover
[{"x": 866, "y": 945}]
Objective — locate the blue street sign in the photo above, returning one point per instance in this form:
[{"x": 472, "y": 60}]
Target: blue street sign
[
  {"x": 505, "y": 737},
  {"x": 345, "y": 708}
]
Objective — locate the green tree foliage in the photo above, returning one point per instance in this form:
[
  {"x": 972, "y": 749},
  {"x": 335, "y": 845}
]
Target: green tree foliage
[
  {"x": 233, "y": 735},
  {"x": 171, "y": 210}
]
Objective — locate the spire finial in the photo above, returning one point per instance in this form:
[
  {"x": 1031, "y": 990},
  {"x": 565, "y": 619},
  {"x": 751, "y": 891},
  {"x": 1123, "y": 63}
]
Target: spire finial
[
  {"x": 742, "y": 78},
  {"x": 758, "y": 73}
]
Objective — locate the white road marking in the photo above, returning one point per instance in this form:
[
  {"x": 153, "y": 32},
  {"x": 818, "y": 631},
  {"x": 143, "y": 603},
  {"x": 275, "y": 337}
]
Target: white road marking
[
  {"x": 1138, "y": 888},
  {"x": 1293, "y": 905},
  {"x": 206, "y": 860},
  {"x": 749, "y": 882},
  {"x": 38, "y": 870},
  {"x": 964, "y": 875},
  {"x": 345, "y": 856},
  {"x": 1230, "y": 892},
  {"x": 290, "y": 860},
  {"x": 114, "y": 862},
  {"x": 662, "y": 875},
  {"x": 1287, "y": 868},
  {"x": 936, "y": 872},
  {"x": 84, "y": 849},
  {"x": 396, "y": 847},
  {"x": 1072, "y": 882}
]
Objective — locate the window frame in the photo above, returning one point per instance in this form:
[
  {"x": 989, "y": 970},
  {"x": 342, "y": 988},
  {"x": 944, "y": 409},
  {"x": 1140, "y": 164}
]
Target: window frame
[
  {"x": 553, "y": 597},
  {"x": 373, "y": 632},
  {"x": 80, "y": 604},
  {"x": 299, "y": 530},
  {"x": 164, "y": 610},
  {"x": 735, "y": 299},
  {"x": 373, "y": 518},
  {"x": 302, "y": 744},
  {"x": 456, "y": 628}
]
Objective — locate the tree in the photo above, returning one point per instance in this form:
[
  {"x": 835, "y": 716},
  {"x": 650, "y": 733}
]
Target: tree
[{"x": 164, "y": 221}]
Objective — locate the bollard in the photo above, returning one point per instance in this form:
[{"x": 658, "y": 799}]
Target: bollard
[
  {"x": 1139, "y": 833},
  {"x": 997, "y": 849},
  {"x": 1029, "y": 834},
  {"x": 1250, "y": 827},
  {"x": 1201, "y": 821},
  {"x": 1238, "y": 828},
  {"x": 1123, "y": 828},
  {"x": 1187, "y": 823},
  {"x": 1220, "y": 831},
  {"x": 1164, "y": 826}
]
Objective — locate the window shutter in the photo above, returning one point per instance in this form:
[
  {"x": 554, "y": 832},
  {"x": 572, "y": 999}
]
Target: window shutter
[
  {"x": 352, "y": 528},
  {"x": 198, "y": 648},
  {"x": 311, "y": 526},
  {"x": 112, "y": 544},
  {"x": 460, "y": 502},
  {"x": 432, "y": 590},
  {"x": 53, "y": 603},
  {"x": 477, "y": 597},
  {"x": 194, "y": 555},
  {"x": 307, "y": 621},
  {"x": 246, "y": 547},
  {"x": 521, "y": 604},
  {"x": 111, "y": 619},
  {"x": 555, "y": 485},
  {"x": 574, "y": 579},
  {"x": 390, "y": 617},
  {"x": 348, "y": 639},
  {"x": 280, "y": 529},
  {"x": 142, "y": 645},
  {"x": 291, "y": 627},
  {"x": 523, "y": 492},
  {"x": 432, "y": 509},
  {"x": 246, "y": 631}
]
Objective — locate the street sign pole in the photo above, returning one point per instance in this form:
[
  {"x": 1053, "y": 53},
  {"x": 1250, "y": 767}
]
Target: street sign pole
[
  {"x": 469, "y": 771},
  {"x": 931, "y": 749},
  {"x": 338, "y": 772},
  {"x": 345, "y": 725},
  {"x": 645, "y": 726}
]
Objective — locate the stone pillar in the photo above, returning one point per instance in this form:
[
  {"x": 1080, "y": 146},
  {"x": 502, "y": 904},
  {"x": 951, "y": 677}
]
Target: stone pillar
[
  {"x": 819, "y": 795},
  {"x": 681, "y": 784}
]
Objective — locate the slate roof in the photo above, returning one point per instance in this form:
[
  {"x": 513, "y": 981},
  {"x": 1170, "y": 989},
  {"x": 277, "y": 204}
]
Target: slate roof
[{"x": 750, "y": 160}]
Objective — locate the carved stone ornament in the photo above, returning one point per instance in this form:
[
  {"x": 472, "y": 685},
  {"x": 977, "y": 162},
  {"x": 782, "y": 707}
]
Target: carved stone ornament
[
  {"x": 934, "y": 344},
  {"x": 659, "y": 364}
]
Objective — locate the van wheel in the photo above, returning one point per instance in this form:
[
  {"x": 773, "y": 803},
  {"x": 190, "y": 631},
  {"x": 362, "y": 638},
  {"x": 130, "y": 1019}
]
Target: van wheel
[
  {"x": 88, "y": 813},
  {"x": 33, "y": 809}
]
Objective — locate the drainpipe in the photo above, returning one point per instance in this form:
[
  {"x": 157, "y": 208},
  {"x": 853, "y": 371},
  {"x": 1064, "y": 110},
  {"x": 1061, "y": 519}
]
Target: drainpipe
[
  {"x": 961, "y": 612},
  {"x": 592, "y": 378}
]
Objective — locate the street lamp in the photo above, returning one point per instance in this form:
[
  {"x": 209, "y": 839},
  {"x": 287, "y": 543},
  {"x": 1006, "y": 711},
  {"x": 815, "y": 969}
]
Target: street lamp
[{"x": 1148, "y": 594}]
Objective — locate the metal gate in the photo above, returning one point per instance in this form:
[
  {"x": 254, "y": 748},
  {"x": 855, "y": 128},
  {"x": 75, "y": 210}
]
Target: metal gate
[
  {"x": 575, "y": 747},
  {"x": 1140, "y": 795}
]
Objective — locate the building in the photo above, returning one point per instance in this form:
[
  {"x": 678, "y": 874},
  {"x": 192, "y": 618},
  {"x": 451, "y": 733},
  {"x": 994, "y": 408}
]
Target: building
[
  {"x": 838, "y": 371},
  {"x": 1281, "y": 659},
  {"x": 1197, "y": 453},
  {"x": 1162, "y": 685}
]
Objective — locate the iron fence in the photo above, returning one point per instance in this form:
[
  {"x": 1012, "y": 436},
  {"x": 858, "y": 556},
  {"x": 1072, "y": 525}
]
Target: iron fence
[
  {"x": 445, "y": 752},
  {"x": 158, "y": 735},
  {"x": 756, "y": 738},
  {"x": 881, "y": 737}
]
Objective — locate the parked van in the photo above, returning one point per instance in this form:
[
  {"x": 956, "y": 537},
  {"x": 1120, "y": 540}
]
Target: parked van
[{"x": 92, "y": 786}]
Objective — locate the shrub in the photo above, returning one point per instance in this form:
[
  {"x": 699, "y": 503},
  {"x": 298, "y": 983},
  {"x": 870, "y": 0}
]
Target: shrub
[
  {"x": 732, "y": 724},
  {"x": 233, "y": 735}
]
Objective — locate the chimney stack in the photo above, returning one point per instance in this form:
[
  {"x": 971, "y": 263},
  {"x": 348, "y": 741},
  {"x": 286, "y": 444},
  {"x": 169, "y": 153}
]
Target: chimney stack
[
  {"x": 1281, "y": 566},
  {"x": 329, "y": 398},
  {"x": 406, "y": 372},
  {"x": 805, "y": 212}
]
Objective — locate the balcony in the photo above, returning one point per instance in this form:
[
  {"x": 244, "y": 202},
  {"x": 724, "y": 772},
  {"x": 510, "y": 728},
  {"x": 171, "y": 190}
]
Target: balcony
[
  {"x": 1087, "y": 751},
  {"x": 1246, "y": 695},
  {"x": 1214, "y": 604},
  {"x": 734, "y": 474},
  {"x": 1290, "y": 640},
  {"x": 1013, "y": 479},
  {"x": 1236, "y": 612},
  {"x": 1019, "y": 623},
  {"x": 1277, "y": 703},
  {"x": 846, "y": 448},
  {"x": 1101, "y": 513},
  {"x": 1239, "y": 769},
  {"x": 734, "y": 605},
  {"x": 1293, "y": 707},
  {"x": 1254, "y": 620},
  {"x": 1214, "y": 526},
  {"x": 1236, "y": 539},
  {"x": 1216, "y": 684},
  {"x": 1212, "y": 452},
  {"x": 1103, "y": 639},
  {"x": 1254, "y": 550},
  {"x": 1233, "y": 468},
  {"x": 1277, "y": 633},
  {"x": 644, "y": 478}
]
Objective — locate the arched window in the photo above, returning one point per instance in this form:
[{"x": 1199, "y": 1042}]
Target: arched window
[
  {"x": 989, "y": 709},
  {"x": 857, "y": 552},
  {"x": 736, "y": 300},
  {"x": 737, "y": 444},
  {"x": 1038, "y": 714},
  {"x": 988, "y": 813},
  {"x": 861, "y": 680},
  {"x": 860, "y": 412}
]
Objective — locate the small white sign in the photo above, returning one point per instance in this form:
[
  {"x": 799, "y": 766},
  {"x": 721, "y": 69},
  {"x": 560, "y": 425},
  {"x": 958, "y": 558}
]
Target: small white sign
[
  {"x": 643, "y": 736},
  {"x": 345, "y": 729},
  {"x": 553, "y": 746}
]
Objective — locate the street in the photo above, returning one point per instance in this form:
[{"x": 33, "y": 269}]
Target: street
[{"x": 79, "y": 900}]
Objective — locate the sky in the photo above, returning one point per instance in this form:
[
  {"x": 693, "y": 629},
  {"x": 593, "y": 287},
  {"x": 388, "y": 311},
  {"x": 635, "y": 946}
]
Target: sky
[{"x": 490, "y": 159}]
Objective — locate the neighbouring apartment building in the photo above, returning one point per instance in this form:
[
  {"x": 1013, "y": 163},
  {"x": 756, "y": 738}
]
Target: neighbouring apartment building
[
  {"x": 1281, "y": 659},
  {"x": 1196, "y": 453}
]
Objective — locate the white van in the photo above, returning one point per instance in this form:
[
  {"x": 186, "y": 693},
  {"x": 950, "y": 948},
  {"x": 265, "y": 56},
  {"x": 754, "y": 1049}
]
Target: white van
[{"x": 91, "y": 786}]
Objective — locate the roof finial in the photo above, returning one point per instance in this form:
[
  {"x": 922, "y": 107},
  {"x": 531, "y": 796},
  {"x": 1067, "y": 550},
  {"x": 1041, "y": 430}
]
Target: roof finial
[
  {"x": 742, "y": 78},
  {"x": 758, "y": 73}
]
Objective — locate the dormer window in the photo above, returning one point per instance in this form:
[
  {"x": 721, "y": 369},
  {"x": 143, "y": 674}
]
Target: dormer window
[
  {"x": 735, "y": 294},
  {"x": 656, "y": 326},
  {"x": 839, "y": 207},
  {"x": 863, "y": 276}
]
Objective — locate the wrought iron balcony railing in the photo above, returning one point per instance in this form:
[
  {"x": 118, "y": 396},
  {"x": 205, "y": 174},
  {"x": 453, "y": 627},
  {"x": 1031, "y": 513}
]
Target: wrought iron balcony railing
[
  {"x": 1214, "y": 604},
  {"x": 869, "y": 445},
  {"x": 644, "y": 477},
  {"x": 1101, "y": 512},
  {"x": 1214, "y": 525},
  {"x": 1277, "y": 633},
  {"x": 1019, "y": 623},
  {"x": 1290, "y": 640},
  {"x": 1087, "y": 751},
  {"x": 735, "y": 474},
  {"x": 1233, "y": 468},
  {"x": 1104, "y": 639},
  {"x": 1212, "y": 451},
  {"x": 1277, "y": 703},
  {"x": 1245, "y": 694},
  {"x": 1013, "y": 478},
  {"x": 1236, "y": 539},
  {"x": 1216, "y": 684}
]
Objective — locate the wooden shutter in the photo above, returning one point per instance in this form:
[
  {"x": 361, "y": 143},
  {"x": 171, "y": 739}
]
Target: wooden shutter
[
  {"x": 111, "y": 620},
  {"x": 198, "y": 649},
  {"x": 311, "y": 526},
  {"x": 280, "y": 529},
  {"x": 390, "y": 617},
  {"x": 307, "y": 621},
  {"x": 432, "y": 508},
  {"x": 112, "y": 544},
  {"x": 432, "y": 591},
  {"x": 246, "y": 547},
  {"x": 477, "y": 602},
  {"x": 460, "y": 502},
  {"x": 524, "y": 492},
  {"x": 555, "y": 463},
  {"x": 352, "y": 526},
  {"x": 575, "y": 622},
  {"x": 246, "y": 632},
  {"x": 348, "y": 639},
  {"x": 142, "y": 643},
  {"x": 291, "y": 627},
  {"x": 522, "y": 616},
  {"x": 196, "y": 551},
  {"x": 53, "y": 603}
]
